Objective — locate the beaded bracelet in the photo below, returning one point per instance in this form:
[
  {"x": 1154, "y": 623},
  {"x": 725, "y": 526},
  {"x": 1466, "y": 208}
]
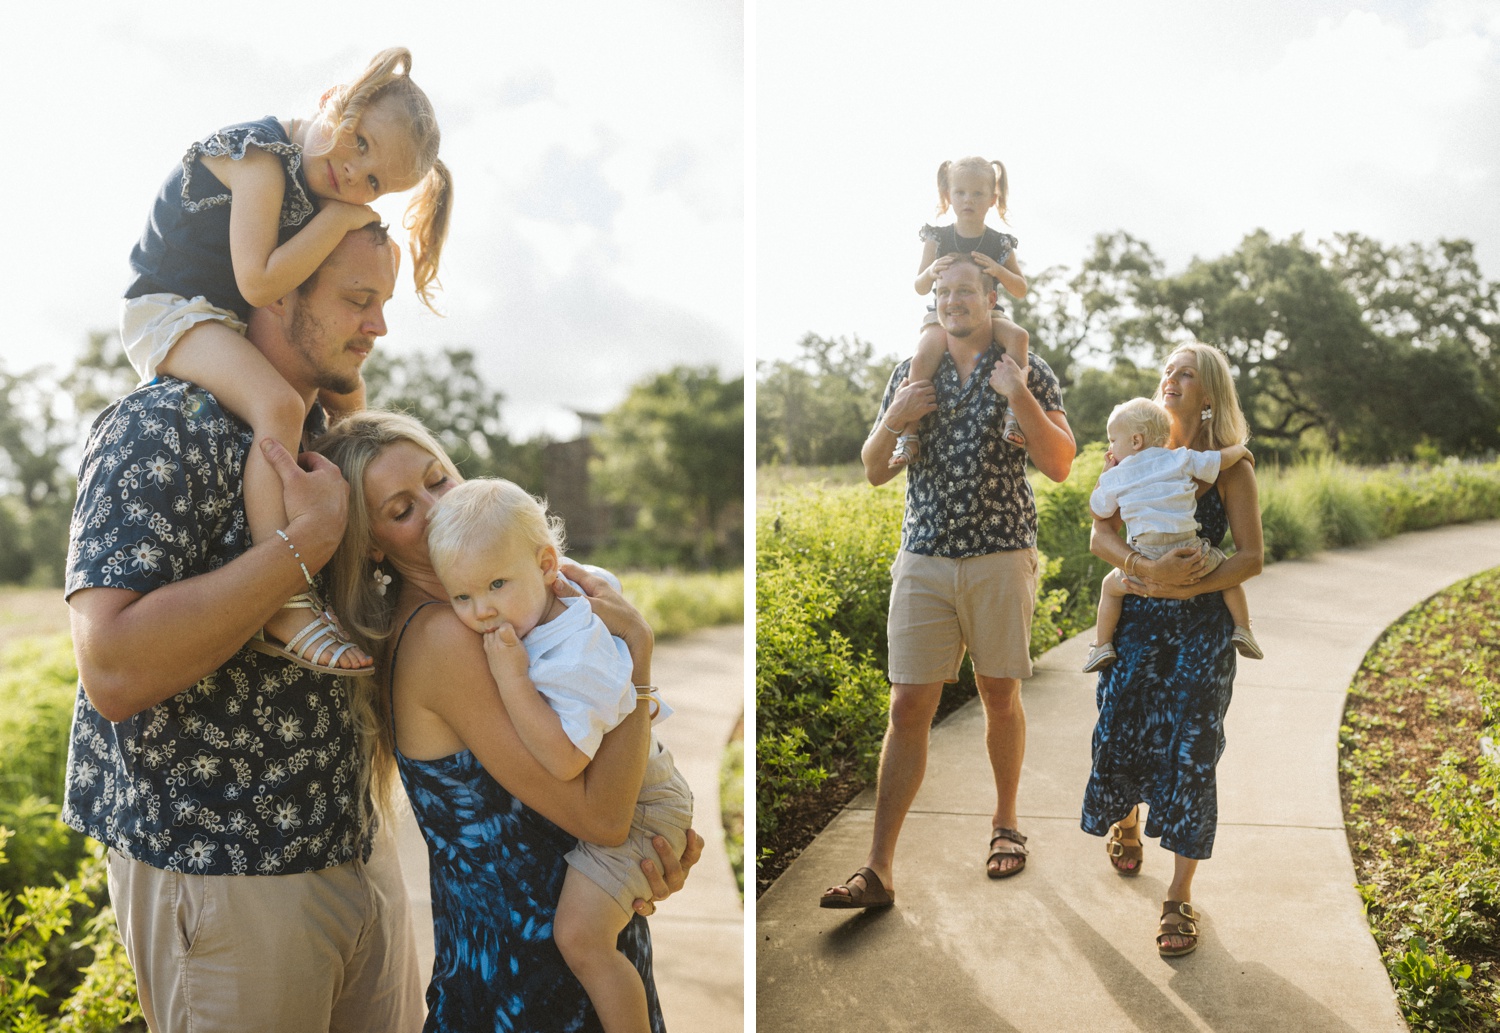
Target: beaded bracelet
[{"x": 298, "y": 555}]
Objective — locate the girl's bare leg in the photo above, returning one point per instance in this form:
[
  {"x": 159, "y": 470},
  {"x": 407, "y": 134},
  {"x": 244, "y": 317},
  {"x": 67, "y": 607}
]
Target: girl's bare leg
[
  {"x": 216, "y": 358},
  {"x": 924, "y": 364},
  {"x": 1014, "y": 341},
  {"x": 587, "y": 927}
]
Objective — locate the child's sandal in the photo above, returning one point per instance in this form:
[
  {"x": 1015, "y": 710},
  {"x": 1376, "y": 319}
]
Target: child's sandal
[
  {"x": 1012, "y": 430},
  {"x": 318, "y": 634},
  {"x": 908, "y": 450}
]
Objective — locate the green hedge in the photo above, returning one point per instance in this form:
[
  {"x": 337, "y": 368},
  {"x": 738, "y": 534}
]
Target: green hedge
[{"x": 61, "y": 963}]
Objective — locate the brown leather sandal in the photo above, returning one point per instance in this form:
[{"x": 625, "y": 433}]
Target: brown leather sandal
[
  {"x": 1012, "y": 844},
  {"x": 1120, "y": 851},
  {"x": 872, "y": 894},
  {"x": 1178, "y": 919}
]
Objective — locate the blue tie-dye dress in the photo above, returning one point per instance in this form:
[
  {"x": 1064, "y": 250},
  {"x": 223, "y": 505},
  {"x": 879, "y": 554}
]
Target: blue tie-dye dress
[
  {"x": 497, "y": 870},
  {"x": 1161, "y": 712}
]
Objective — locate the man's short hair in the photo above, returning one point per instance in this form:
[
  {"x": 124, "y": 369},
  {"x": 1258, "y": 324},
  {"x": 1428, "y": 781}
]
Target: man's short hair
[
  {"x": 965, "y": 258},
  {"x": 380, "y": 236}
]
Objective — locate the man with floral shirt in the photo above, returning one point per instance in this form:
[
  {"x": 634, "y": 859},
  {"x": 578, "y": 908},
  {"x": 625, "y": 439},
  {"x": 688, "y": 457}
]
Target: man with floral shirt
[
  {"x": 966, "y": 576},
  {"x": 226, "y": 782}
]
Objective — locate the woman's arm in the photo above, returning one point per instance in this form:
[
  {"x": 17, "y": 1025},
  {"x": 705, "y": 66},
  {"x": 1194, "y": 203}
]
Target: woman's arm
[
  {"x": 1241, "y": 496},
  {"x": 445, "y": 669},
  {"x": 263, "y": 271}
]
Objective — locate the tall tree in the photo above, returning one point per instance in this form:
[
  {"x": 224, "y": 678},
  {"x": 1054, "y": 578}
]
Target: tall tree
[
  {"x": 816, "y": 409},
  {"x": 674, "y": 450},
  {"x": 450, "y": 396}
]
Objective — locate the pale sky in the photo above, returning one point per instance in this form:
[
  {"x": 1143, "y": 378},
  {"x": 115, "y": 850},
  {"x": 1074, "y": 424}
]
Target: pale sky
[
  {"x": 597, "y": 151},
  {"x": 1187, "y": 124}
]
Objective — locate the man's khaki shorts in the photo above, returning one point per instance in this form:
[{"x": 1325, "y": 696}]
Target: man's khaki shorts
[{"x": 940, "y": 607}]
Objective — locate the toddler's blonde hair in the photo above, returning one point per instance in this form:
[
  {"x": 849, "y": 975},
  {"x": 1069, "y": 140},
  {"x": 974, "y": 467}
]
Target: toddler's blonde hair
[
  {"x": 1144, "y": 417},
  {"x": 485, "y": 510}
]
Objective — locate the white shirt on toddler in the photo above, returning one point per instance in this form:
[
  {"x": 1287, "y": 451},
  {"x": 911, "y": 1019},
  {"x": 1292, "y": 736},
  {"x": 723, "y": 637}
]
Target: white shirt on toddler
[
  {"x": 1154, "y": 489},
  {"x": 583, "y": 671}
]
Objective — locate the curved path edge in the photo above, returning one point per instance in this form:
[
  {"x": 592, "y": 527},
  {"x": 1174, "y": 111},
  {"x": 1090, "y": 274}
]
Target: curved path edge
[{"x": 1068, "y": 944}]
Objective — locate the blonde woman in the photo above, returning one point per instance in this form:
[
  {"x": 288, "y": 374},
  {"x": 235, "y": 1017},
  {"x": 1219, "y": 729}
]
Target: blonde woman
[
  {"x": 1162, "y": 702},
  {"x": 498, "y": 825}
]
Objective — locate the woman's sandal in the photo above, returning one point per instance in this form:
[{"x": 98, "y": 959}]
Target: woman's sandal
[
  {"x": 872, "y": 894},
  {"x": 320, "y": 633},
  {"x": 907, "y": 451},
  {"x": 1120, "y": 851},
  {"x": 1012, "y": 844},
  {"x": 1179, "y": 920}
]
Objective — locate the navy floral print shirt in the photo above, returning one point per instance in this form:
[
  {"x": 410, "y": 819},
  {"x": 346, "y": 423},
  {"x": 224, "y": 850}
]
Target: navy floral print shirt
[
  {"x": 967, "y": 494},
  {"x": 253, "y": 770}
]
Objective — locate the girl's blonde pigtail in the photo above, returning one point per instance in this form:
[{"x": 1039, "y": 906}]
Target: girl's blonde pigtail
[
  {"x": 1002, "y": 188},
  {"x": 427, "y": 223},
  {"x": 942, "y": 184}
]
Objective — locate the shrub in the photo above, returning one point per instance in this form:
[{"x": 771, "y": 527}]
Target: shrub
[{"x": 676, "y": 603}]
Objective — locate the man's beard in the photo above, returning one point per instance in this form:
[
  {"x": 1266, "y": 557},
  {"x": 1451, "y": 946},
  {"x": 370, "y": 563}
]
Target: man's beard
[{"x": 305, "y": 336}]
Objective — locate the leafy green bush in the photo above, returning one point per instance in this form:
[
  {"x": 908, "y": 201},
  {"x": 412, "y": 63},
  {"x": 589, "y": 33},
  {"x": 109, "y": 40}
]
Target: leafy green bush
[
  {"x": 676, "y": 603},
  {"x": 732, "y": 805},
  {"x": 1062, "y": 536}
]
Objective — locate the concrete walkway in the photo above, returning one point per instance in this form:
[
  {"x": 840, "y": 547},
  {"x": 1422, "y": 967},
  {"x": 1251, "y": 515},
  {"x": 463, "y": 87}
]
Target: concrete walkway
[
  {"x": 698, "y": 935},
  {"x": 1068, "y": 944}
]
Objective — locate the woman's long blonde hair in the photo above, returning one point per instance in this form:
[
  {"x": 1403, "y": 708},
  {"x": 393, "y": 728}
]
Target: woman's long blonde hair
[
  {"x": 1226, "y": 424},
  {"x": 388, "y": 78},
  {"x": 365, "y": 612}
]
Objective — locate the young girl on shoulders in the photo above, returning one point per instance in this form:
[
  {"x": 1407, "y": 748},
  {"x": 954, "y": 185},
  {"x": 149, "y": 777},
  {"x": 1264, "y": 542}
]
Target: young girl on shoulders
[
  {"x": 971, "y": 187},
  {"x": 244, "y": 219}
]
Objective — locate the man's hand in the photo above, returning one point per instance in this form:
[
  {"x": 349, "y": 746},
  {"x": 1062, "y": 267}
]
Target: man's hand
[
  {"x": 317, "y": 501},
  {"x": 912, "y": 400},
  {"x": 1007, "y": 378}
]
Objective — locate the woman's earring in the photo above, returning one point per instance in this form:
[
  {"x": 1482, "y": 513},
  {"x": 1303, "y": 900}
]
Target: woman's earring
[
  {"x": 1207, "y": 414},
  {"x": 382, "y": 579}
]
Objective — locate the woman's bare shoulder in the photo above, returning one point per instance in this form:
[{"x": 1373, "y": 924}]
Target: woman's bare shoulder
[{"x": 435, "y": 641}]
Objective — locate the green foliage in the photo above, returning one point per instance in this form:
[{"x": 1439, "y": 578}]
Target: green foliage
[
  {"x": 1064, "y": 523},
  {"x": 673, "y": 451},
  {"x": 38, "y": 685},
  {"x": 449, "y": 394},
  {"x": 675, "y": 603},
  {"x": 49, "y": 981},
  {"x": 1423, "y": 794},
  {"x": 732, "y": 806},
  {"x": 817, "y": 410},
  {"x": 1431, "y": 986}
]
